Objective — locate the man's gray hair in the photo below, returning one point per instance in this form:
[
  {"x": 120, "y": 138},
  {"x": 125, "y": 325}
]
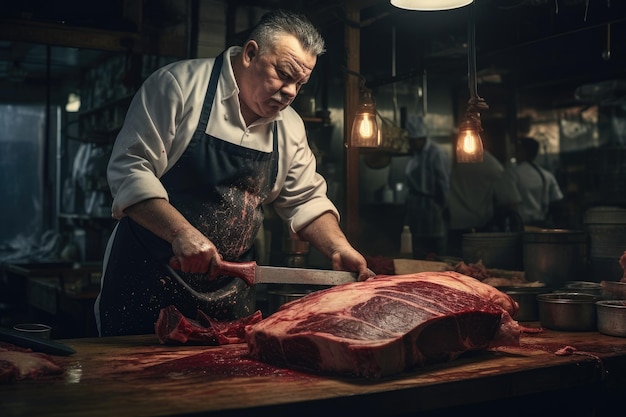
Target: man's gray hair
[{"x": 280, "y": 22}]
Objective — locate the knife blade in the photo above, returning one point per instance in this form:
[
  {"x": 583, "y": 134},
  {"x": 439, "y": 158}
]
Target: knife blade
[
  {"x": 253, "y": 274},
  {"x": 35, "y": 343}
]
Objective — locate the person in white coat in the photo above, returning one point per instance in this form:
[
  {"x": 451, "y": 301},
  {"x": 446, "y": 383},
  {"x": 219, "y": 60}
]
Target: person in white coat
[
  {"x": 427, "y": 177},
  {"x": 541, "y": 196},
  {"x": 205, "y": 144}
]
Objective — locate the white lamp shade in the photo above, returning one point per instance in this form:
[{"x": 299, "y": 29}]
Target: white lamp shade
[{"x": 430, "y": 5}]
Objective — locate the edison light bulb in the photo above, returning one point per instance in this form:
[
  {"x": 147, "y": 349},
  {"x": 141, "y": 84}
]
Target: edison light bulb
[
  {"x": 365, "y": 126},
  {"x": 469, "y": 145}
]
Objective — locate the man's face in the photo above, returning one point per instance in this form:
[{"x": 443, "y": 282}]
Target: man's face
[{"x": 273, "y": 78}]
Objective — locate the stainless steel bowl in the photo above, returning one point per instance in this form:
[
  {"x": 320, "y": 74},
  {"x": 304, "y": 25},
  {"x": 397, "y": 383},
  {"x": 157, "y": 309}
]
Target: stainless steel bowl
[
  {"x": 587, "y": 287},
  {"x": 613, "y": 290},
  {"x": 612, "y": 317},
  {"x": 526, "y": 298},
  {"x": 568, "y": 311}
]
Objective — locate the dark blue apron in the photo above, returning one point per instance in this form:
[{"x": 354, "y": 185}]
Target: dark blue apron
[{"x": 219, "y": 187}]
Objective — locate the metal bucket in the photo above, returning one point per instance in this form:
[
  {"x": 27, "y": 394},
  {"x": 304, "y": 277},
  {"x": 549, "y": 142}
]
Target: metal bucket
[
  {"x": 501, "y": 250},
  {"x": 606, "y": 227},
  {"x": 283, "y": 294},
  {"x": 555, "y": 256}
]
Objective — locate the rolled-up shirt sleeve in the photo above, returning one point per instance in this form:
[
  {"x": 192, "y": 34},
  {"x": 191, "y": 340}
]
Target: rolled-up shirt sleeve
[
  {"x": 145, "y": 144},
  {"x": 300, "y": 190}
]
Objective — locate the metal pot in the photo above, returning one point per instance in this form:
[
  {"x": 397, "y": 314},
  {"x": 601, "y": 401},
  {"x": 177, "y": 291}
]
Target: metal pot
[
  {"x": 568, "y": 311},
  {"x": 501, "y": 250},
  {"x": 555, "y": 256},
  {"x": 593, "y": 288},
  {"x": 282, "y": 294},
  {"x": 612, "y": 317},
  {"x": 526, "y": 298},
  {"x": 613, "y": 290}
]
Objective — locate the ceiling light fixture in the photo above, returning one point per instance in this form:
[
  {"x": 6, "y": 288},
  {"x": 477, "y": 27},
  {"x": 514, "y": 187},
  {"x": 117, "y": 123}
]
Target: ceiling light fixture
[
  {"x": 365, "y": 132},
  {"x": 469, "y": 145},
  {"x": 430, "y": 5}
]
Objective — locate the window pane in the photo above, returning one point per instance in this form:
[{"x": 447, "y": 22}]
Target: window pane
[{"x": 22, "y": 135}]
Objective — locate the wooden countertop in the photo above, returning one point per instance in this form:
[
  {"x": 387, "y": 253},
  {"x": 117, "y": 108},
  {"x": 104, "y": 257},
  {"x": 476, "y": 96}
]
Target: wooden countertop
[{"x": 136, "y": 376}]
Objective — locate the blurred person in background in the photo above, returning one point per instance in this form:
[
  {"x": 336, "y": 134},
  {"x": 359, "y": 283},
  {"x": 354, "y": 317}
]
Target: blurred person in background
[
  {"x": 428, "y": 182},
  {"x": 482, "y": 199},
  {"x": 541, "y": 197}
]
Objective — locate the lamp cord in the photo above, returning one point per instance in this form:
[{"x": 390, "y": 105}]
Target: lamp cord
[
  {"x": 471, "y": 51},
  {"x": 476, "y": 103}
]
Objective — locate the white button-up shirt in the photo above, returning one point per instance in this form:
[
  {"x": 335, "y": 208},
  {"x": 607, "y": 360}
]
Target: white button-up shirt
[{"x": 161, "y": 121}]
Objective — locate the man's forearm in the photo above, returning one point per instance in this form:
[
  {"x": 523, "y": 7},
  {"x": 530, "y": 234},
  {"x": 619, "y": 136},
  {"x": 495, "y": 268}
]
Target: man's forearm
[
  {"x": 158, "y": 216},
  {"x": 325, "y": 234}
]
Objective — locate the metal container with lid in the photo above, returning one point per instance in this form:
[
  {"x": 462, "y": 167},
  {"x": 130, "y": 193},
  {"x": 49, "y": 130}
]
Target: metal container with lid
[
  {"x": 555, "y": 256},
  {"x": 501, "y": 250},
  {"x": 606, "y": 227}
]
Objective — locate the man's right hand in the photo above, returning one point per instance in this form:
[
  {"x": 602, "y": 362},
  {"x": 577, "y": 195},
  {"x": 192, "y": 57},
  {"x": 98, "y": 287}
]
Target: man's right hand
[{"x": 194, "y": 253}]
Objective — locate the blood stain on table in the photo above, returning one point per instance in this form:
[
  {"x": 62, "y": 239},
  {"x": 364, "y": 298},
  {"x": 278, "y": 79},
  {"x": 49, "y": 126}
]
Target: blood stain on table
[{"x": 219, "y": 364}]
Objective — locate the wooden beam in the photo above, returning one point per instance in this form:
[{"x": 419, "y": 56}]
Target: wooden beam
[
  {"x": 352, "y": 45},
  {"x": 90, "y": 38},
  {"x": 63, "y": 35}
]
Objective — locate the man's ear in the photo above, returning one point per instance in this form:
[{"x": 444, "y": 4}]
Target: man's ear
[{"x": 250, "y": 50}]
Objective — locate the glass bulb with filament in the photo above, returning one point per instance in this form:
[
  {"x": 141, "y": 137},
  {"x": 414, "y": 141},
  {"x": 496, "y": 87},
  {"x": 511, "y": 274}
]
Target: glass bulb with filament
[
  {"x": 365, "y": 126},
  {"x": 469, "y": 145}
]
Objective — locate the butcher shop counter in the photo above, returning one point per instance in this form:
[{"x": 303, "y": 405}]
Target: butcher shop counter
[{"x": 137, "y": 376}]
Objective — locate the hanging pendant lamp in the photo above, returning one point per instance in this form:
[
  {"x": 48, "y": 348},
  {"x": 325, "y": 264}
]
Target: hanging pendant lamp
[
  {"x": 430, "y": 5},
  {"x": 365, "y": 131},
  {"x": 469, "y": 144}
]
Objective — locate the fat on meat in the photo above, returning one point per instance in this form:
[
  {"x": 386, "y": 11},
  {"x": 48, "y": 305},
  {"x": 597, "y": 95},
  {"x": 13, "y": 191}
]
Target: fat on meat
[
  {"x": 17, "y": 364},
  {"x": 386, "y": 325}
]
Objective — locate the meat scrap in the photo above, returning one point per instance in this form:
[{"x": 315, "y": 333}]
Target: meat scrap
[
  {"x": 172, "y": 327},
  {"x": 476, "y": 270},
  {"x": 386, "y": 325},
  {"x": 18, "y": 363},
  {"x": 495, "y": 277}
]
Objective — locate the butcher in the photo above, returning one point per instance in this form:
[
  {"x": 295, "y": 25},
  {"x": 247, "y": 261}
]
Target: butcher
[{"x": 205, "y": 144}]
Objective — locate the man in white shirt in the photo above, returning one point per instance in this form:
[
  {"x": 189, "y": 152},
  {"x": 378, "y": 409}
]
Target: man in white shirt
[
  {"x": 480, "y": 193},
  {"x": 539, "y": 190},
  {"x": 205, "y": 143}
]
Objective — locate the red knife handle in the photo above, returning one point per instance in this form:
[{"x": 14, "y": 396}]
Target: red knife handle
[{"x": 243, "y": 270}]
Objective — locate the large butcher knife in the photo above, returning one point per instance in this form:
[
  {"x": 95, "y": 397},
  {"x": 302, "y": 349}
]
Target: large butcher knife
[
  {"x": 253, "y": 274},
  {"x": 36, "y": 343}
]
